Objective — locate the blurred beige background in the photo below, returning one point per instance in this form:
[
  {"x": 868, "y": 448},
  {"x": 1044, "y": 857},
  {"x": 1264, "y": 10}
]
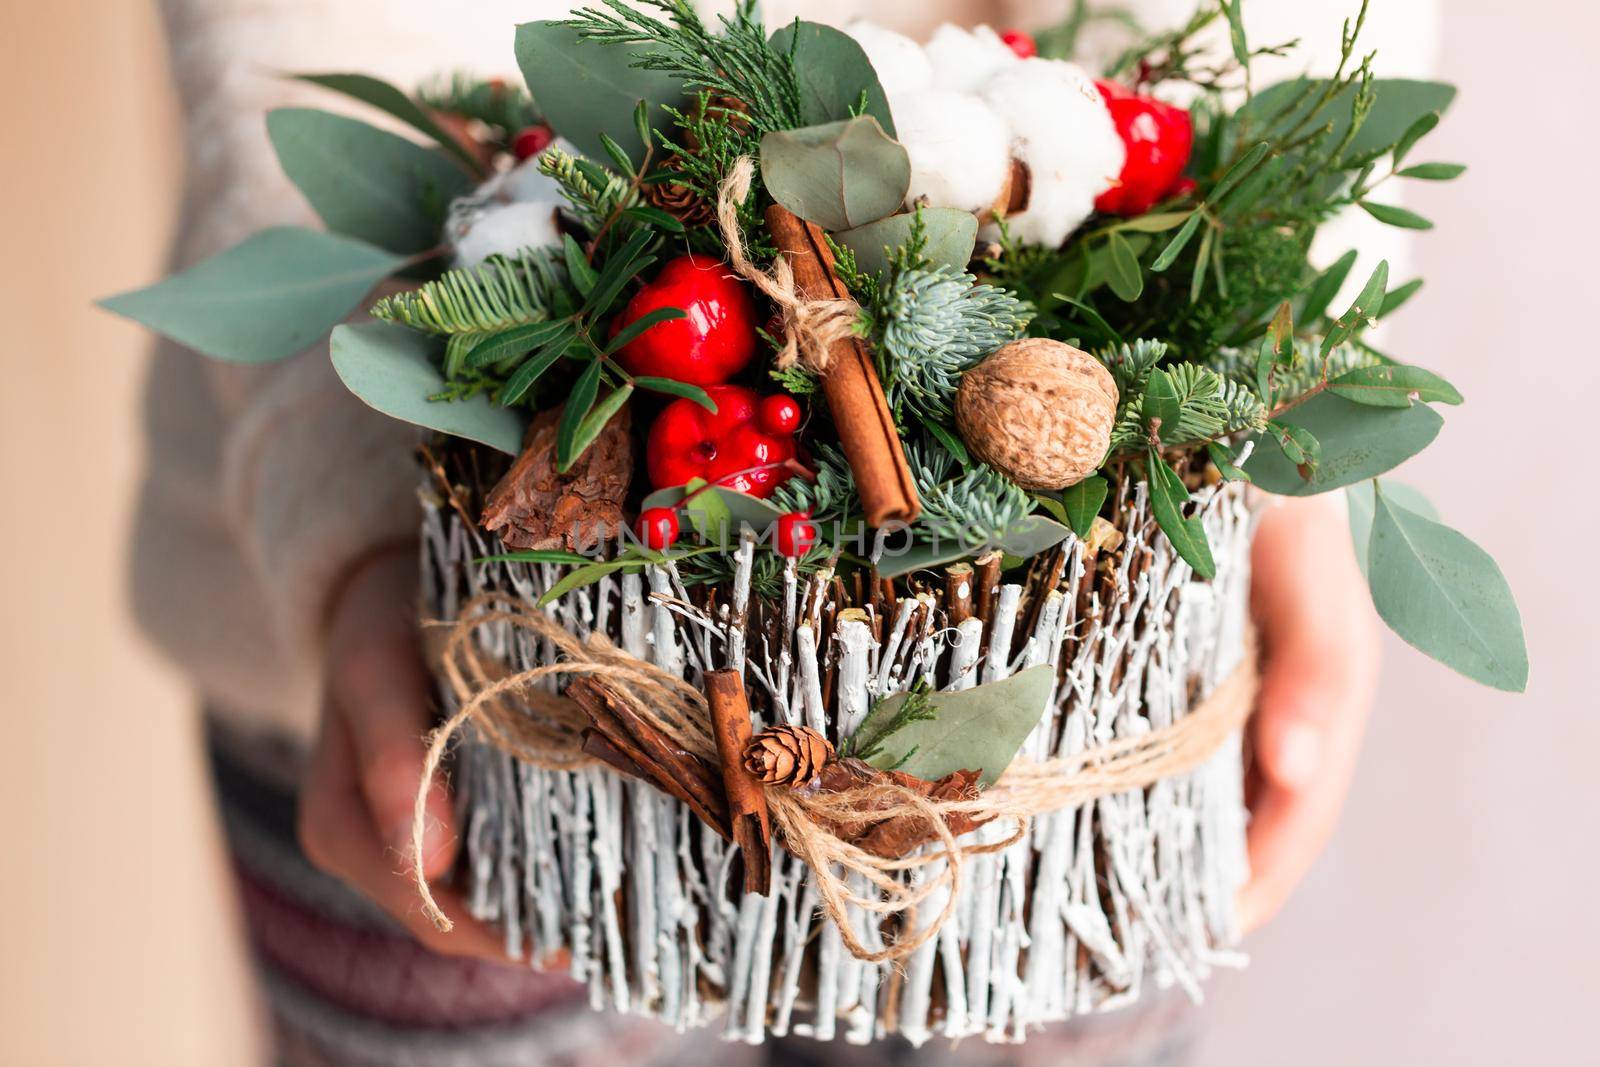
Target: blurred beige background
[{"x": 1450, "y": 921}]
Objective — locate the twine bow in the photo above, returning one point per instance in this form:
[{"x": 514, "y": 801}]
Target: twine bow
[
  {"x": 810, "y": 327},
  {"x": 542, "y": 728}
]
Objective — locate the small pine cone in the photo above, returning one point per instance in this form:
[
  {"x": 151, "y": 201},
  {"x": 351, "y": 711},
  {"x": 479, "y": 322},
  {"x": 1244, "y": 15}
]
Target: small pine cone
[
  {"x": 678, "y": 200},
  {"x": 787, "y": 755}
]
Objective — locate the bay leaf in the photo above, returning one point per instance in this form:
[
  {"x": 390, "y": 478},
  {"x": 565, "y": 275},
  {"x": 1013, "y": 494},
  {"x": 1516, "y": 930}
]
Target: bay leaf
[
  {"x": 977, "y": 729},
  {"x": 365, "y": 182},
  {"x": 839, "y": 175},
  {"x": 272, "y": 295},
  {"x": 391, "y": 368}
]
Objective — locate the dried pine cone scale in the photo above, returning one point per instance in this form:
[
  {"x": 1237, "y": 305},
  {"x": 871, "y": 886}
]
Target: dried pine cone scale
[{"x": 787, "y": 755}]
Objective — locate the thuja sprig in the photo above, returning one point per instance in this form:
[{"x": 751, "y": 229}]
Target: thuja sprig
[{"x": 918, "y": 706}]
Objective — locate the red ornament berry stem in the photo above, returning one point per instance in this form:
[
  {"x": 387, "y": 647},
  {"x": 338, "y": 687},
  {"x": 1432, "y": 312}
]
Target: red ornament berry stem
[{"x": 867, "y": 432}]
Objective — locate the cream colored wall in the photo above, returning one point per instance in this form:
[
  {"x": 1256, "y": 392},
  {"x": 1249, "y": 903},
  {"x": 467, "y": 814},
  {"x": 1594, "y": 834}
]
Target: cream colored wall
[
  {"x": 117, "y": 942},
  {"x": 1450, "y": 921}
]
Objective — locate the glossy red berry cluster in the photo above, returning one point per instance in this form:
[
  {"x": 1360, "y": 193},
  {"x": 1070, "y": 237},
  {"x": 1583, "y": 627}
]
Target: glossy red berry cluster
[{"x": 743, "y": 446}]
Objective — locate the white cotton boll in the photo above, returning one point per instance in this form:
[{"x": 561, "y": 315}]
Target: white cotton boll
[
  {"x": 505, "y": 230},
  {"x": 965, "y": 60},
  {"x": 960, "y": 150},
  {"x": 525, "y": 184},
  {"x": 1061, "y": 129},
  {"x": 900, "y": 63}
]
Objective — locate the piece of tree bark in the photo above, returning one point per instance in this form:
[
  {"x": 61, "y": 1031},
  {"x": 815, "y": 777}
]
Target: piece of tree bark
[{"x": 536, "y": 507}]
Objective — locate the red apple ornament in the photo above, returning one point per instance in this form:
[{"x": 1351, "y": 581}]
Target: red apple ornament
[
  {"x": 1158, "y": 138},
  {"x": 1021, "y": 42},
  {"x": 711, "y": 343},
  {"x": 731, "y": 448}
]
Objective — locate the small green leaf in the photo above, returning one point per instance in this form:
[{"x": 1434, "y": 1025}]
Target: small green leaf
[
  {"x": 654, "y": 216},
  {"x": 275, "y": 294},
  {"x": 517, "y": 341},
  {"x": 386, "y": 98},
  {"x": 1239, "y": 171},
  {"x": 1222, "y": 456},
  {"x": 1433, "y": 172},
  {"x": 533, "y": 368},
  {"x": 1358, "y": 442},
  {"x": 1082, "y": 503},
  {"x": 1198, "y": 278},
  {"x": 620, "y": 268},
  {"x": 631, "y": 332},
  {"x": 951, "y": 235},
  {"x": 1391, "y": 215},
  {"x": 1123, "y": 276},
  {"x": 833, "y": 73},
  {"x": 952, "y": 444},
  {"x": 1393, "y": 386},
  {"x": 1326, "y": 287},
  {"x": 618, "y": 156},
  {"x": 365, "y": 182},
  {"x": 595, "y": 422},
  {"x": 1300, "y": 447},
  {"x": 1028, "y": 537},
  {"x": 1161, "y": 403},
  {"x": 1362, "y": 313},
  {"x": 537, "y": 555},
  {"x": 1445, "y": 596},
  {"x": 1169, "y": 255},
  {"x": 1187, "y": 533},
  {"x": 1155, "y": 222},
  {"x": 840, "y": 175},
  {"x": 1241, "y": 49},
  {"x": 676, "y": 388},
  {"x": 392, "y": 370},
  {"x": 578, "y": 268},
  {"x": 573, "y": 412},
  {"x": 1415, "y": 132},
  {"x": 1396, "y": 297},
  {"x": 977, "y": 729}
]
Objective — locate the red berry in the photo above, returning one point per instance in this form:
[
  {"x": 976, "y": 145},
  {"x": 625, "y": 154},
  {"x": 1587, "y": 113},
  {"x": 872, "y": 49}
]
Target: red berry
[
  {"x": 657, "y": 528},
  {"x": 795, "y": 535},
  {"x": 687, "y": 442},
  {"x": 531, "y": 141},
  {"x": 778, "y": 414},
  {"x": 1020, "y": 42},
  {"x": 711, "y": 343},
  {"x": 1158, "y": 138}
]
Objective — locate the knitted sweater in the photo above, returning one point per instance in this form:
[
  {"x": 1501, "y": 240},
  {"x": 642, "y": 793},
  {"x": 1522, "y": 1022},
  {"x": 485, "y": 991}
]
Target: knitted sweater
[{"x": 266, "y": 483}]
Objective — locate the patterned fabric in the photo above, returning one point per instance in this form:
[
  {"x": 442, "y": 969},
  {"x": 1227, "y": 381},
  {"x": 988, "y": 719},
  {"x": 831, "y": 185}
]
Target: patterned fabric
[{"x": 347, "y": 987}]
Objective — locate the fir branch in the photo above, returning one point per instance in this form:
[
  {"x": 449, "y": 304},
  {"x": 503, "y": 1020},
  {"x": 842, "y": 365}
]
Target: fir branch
[
  {"x": 739, "y": 62},
  {"x": 975, "y": 507},
  {"x": 830, "y": 496}
]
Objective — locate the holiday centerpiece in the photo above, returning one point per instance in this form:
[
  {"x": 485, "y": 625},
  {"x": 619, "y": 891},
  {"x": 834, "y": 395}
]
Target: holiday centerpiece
[{"x": 836, "y": 500}]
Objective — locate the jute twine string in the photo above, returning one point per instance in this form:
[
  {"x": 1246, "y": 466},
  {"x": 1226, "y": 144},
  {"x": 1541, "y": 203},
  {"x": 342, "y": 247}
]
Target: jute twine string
[
  {"x": 543, "y": 729},
  {"x": 810, "y": 327}
]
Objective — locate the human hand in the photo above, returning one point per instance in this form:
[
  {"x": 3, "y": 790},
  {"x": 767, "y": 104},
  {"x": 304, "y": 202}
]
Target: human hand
[
  {"x": 357, "y": 800},
  {"x": 1320, "y": 671}
]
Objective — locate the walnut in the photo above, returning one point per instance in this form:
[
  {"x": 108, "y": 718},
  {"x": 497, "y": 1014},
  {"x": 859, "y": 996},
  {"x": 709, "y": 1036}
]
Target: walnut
[
  {"x": 787, "y": 755},
  {"x": 536, "y": 507},
  {"x": 1039, "y": 411}
]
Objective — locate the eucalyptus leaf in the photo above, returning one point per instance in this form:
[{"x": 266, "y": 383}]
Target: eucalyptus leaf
[
  {"x": 839, "y": 175},
  {"x": 391, "y": 368},
  {"x": 393, "y": 101},
  {"x": 834, "y": 74},
  {"x": 1445, "y": 596},
  {"x": 951, "y": 236},
  {"x": 273, "y": 295},
  {"x": 1358, "y": 442},
  {"x": 1028, "y": 537},
  {"x": 1187, "y": 533},
  {"x": 722, "y": 510},
  {"x": 587, "y": 88},
  {"x": 978, "y": 729},
  {"x": 365, "y": 182},
  {"x": 1393, "y": 385},
  {"x": 1361, "y": 503}
]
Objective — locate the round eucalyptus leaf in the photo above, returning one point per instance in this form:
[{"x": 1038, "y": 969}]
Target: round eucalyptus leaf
[{"x": 839, "y": 175}]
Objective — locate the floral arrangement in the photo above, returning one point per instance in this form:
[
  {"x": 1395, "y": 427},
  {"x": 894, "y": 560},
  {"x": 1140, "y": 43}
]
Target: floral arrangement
[{"x": 755, "y": 310}]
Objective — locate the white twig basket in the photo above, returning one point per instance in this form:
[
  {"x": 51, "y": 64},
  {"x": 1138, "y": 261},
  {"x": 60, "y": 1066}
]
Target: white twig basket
[{"x": 1089, "y": 910}]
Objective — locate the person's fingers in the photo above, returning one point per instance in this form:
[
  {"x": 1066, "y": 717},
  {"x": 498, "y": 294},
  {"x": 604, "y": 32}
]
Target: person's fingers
[
  {"x": 337, "y": 835},
  {"x": 1319, "y": 673},
  {"x": 379, "y": 687}
]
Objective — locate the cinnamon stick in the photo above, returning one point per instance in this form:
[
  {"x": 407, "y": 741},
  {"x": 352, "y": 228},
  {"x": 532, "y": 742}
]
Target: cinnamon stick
[
  {"x": 867, "y": 432},
  {"x": 747, "y": 804}
]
